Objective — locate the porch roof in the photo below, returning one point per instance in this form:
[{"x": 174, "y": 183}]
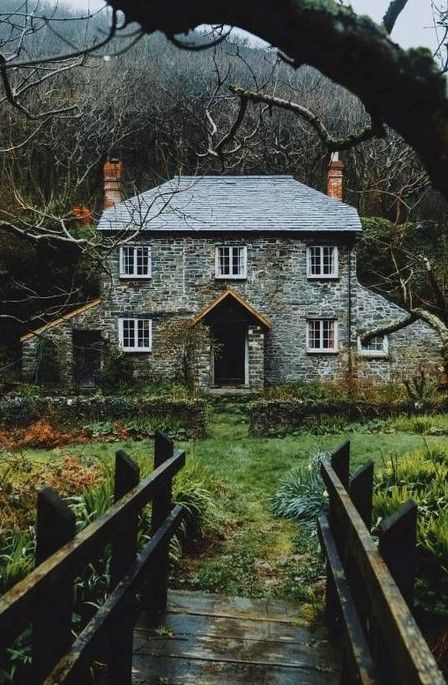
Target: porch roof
[{"x": 231, "y": 292}]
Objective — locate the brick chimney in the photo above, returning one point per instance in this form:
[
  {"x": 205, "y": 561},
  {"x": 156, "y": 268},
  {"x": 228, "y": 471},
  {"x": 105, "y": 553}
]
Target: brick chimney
[
  {"x": 113, "y": 188},
  {"x": 335, "y": 177}
]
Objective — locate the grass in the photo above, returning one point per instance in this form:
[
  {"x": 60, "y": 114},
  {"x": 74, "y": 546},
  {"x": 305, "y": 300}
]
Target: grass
[{"x": 252, "y": 552}]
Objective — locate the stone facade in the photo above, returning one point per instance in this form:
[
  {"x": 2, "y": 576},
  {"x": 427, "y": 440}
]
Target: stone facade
[
  {"x": 410, "y": 347},
  {"x": 183, "y": 282},
  {"x": 61, "y": 334}
]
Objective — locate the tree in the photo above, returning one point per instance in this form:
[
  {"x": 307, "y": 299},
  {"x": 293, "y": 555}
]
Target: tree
[{"x": 403, "y": 89}]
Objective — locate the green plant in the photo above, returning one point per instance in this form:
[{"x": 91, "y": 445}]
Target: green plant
[
  {"x": 117, "y": 371},
  {"x": 301, "y": 495},
  {"x": 422, "y": 476},
  {"x": 47, "y": 364}
]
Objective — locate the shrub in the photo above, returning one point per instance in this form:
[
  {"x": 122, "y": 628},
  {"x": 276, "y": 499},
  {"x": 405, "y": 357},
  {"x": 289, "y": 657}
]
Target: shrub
[
  {"x": 301, "y": 496},
  {"x": 47, "y": 363},
  {"x": 117, "y": 370},
  {"x": 421, "y": 476},
  {"x": 289, "y": 408},
  {"x": 163, "y": 412}
]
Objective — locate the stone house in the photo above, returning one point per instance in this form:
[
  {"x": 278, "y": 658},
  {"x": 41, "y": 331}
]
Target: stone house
[{"x": 266, "y": 268}]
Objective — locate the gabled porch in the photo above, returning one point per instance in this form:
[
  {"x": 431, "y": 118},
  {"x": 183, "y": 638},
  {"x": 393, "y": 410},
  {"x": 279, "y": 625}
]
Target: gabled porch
[{"x": 237, "y": 344}]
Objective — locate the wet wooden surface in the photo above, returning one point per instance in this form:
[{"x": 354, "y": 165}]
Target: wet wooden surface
[{"x": 218, "y": 639}]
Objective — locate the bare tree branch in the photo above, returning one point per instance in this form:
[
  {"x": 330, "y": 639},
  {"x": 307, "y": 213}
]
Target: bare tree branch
[
  {"x": 375, "y": 130},
  {"x": 393, "y": 12},
  {"x": 403, "y": 89}
]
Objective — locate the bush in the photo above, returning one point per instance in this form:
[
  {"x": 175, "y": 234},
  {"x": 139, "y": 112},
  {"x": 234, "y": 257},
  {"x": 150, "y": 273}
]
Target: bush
[
  {"x": 291, "y": 407},
  {"x": 47, "y": 363},
  {"x": 117, "y": 370},
  {"x": 301, "y": 496},
  {"x": 166, "y": 412},
  {"x": 421, "y": 476}
]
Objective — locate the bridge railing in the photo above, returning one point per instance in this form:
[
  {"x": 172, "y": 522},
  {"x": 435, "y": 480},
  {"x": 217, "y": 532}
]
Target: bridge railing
[
  {"x": 370, "y": 586},
  {"x": 45, "y": 598}
]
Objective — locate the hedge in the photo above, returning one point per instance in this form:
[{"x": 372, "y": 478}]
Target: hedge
[
  {"x": 276, "y": 416},
  {"x": 21, "y": 411}
]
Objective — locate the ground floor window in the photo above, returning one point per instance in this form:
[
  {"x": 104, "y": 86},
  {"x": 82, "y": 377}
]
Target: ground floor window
[
  {"x": 135, "y": 335},
  {"x": 322, "y": 335},
  {"x": 378, "y": 346}
]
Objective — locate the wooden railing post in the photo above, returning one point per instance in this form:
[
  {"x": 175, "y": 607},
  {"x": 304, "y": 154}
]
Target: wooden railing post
[
  {"x": 398, "y": 547},
  {"x": 157, "y": 588},
  {"x": 124, "y": 554},
  {"x": 55, "y": 526},
  {"x": 340, "y": 461},
  {"x": 361, "y": 492}
]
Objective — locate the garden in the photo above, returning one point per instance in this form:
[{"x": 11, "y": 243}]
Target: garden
[{"x": 252, "y": 498}]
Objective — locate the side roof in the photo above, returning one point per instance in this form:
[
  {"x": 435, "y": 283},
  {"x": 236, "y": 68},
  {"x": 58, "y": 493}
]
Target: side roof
[
  {"x": 231, "y": 203},
  {"x": 61, "y": 320}
]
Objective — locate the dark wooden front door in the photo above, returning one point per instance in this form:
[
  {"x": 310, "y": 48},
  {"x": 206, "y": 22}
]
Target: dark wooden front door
[
  {"x": 230, "y": 353},
  {"x": 86, "y": 357}
]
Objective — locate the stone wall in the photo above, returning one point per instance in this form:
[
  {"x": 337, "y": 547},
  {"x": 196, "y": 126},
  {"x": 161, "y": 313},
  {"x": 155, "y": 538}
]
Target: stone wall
[
  {"x": 409, "y": 347},
  {"x": 183, "y": 282},
  {"x": 61, "y": 335}
]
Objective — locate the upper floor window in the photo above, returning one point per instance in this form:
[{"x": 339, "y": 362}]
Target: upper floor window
[
  {"x": 322, "y": 261},
  {"x": 135, "y": 335},
  {"x": 322, "y": 335},
  {"x": 231, "y": 261},
  {"x": 135, "y": 261},
  {"x": 378, "y": 346}
]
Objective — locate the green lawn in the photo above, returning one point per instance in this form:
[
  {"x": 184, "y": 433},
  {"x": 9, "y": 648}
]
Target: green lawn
[{"x": 252, "y": 552}]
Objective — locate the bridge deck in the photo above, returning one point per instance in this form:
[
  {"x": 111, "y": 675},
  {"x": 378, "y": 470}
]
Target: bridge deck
[{"x": 218, "y": 639}]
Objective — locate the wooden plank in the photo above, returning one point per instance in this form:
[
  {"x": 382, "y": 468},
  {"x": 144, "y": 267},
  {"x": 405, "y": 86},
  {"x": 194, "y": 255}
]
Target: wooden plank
[
  {"x": 18, "y": 605},
  {"x": 83, "y": 650},
  {"x": 184, "y": 671},
  {"x": 340, "y": 461},
  {"x": 203, "y": 604},
  {"x": 124, "y": 553},
  {"x": 361, "y": 491},
  {"x": 154, "y": 595},
  {"x": 413, "y": 659},
  {"x": 398, "y": 547},
  {"x": 359, "y": 652},
  {"x": 52, "y": 627},
  {"x": 192, "y": 624},
  {"x": 231, "y": 648}
]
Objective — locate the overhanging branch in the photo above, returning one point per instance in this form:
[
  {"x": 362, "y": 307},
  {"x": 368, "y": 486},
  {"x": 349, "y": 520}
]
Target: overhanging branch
[
  {"x": 403, "y": 89},
  {"x": 374, "y": 130}
]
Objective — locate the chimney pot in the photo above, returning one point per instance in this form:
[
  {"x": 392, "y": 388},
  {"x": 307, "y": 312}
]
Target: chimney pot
[
  {"x": 113, "y": 188},
  {"x": 335, "y": 177}
]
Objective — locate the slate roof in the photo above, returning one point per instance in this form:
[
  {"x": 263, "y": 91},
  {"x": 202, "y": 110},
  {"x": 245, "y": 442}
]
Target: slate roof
[{"x": 231, "y": 203}]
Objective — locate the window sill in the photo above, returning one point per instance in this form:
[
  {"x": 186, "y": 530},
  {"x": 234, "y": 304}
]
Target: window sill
[
  {"x": 134, "y": 350},
  {"x": 125, "y": 277},
  {"x": 313, "y": 277},
  {"x": 373, "y": 355},
  {"x": 231, "y": 278},
  {"x": 322, "y": 351}
]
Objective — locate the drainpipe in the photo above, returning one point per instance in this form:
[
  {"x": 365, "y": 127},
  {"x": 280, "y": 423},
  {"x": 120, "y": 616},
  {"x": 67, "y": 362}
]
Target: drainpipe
[{"x": 350, "y": 360}]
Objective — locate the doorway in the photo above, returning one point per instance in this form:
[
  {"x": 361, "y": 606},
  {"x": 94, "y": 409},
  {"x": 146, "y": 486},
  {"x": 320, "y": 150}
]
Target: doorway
[
  {"x": 230, "y": 354},
  {"x": 86, "y": 357}
]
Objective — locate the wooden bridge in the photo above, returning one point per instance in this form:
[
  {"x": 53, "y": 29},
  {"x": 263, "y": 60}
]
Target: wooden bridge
[{"x": 143, "y": 634}]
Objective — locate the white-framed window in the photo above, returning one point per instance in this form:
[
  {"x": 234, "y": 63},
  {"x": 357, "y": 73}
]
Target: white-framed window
[
  {"x": 135, "y": 261},
  {"x": 322, "y": 261},
  {"x": 322, "y": 335},
  {"x": 231, "y": 261},
  {"x": 135, "y": 335},
  {"x": 376, "y": 347}
]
